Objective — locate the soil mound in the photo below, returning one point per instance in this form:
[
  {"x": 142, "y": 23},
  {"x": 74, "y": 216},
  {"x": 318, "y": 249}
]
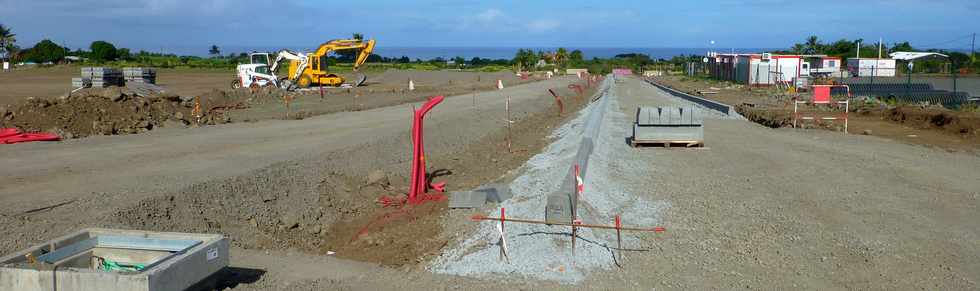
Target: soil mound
[
  {"x": 118, "y": 110},
  {"x": 962, "y": 123}
]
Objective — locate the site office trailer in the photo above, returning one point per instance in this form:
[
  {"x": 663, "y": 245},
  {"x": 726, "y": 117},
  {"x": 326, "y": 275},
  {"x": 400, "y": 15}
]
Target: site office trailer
[
  {"x": 763, "y": 70},
  {"x": 724, "y": 66},
  {"x": 826, "y": 65},
  {"x": 868, "y": 67}
]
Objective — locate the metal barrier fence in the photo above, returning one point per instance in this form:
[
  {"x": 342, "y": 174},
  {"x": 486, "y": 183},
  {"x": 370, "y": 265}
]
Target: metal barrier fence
[{"x": 934, "y": 90}]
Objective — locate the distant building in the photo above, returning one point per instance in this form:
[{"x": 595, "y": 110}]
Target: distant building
[
  {"x": 622, "y": 72},
  {"x": 867, "y": 67},
  {"x": 769, "y": 69},
  {"x": 824, "y": 66},
  {"x": 576, "y": 71}
]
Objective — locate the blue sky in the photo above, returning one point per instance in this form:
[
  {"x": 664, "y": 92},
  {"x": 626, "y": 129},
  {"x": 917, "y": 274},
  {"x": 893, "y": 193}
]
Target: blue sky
[{"x": 528, "y": 23}]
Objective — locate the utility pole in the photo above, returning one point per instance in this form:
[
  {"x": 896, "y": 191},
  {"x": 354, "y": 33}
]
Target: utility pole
[
  {"x": 973, "y": 49},
  {"x": 879, "y": 47}
]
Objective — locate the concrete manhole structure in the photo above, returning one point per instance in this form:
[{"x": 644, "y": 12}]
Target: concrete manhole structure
[{"x": 109, "y": 259}]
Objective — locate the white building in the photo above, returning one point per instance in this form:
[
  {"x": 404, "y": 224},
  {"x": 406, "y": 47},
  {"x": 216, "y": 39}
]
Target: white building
[
  {"x": 767, "y": 69},
  {"x": 867, "y": 67}
]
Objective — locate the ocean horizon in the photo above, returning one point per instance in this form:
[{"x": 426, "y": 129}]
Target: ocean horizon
[{"x": 428, "y": 53}]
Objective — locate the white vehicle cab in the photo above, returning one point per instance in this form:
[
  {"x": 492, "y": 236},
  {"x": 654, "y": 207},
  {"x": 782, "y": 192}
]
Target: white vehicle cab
[{"x": 253, "y": 76}]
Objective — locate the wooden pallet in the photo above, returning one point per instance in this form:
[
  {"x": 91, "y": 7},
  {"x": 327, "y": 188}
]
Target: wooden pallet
[{"x": 668, "y": 143}]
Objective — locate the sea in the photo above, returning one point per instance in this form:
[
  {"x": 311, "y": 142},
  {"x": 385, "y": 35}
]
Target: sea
[{"x": 428, "y": 53}]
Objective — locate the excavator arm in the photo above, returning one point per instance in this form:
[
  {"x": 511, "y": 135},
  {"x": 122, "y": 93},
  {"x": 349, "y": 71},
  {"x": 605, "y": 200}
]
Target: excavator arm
[
  {"x": 289, "y": 55},
  {"x": 365, "y": 47},
  {"x": 364, "y": 54}
]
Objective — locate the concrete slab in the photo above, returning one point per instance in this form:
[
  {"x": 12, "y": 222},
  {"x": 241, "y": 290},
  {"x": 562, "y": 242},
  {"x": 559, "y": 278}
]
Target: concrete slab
[
  {"x": 467, "y": 199},
  {"x": 109, "y": 259},
  {"x": 497, "y": 193}
]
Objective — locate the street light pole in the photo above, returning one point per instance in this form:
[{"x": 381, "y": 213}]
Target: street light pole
[{"x": 908, "y": 84}]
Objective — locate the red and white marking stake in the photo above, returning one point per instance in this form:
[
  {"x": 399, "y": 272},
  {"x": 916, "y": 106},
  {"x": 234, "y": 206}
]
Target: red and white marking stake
[{"x": 503, "y": 237}]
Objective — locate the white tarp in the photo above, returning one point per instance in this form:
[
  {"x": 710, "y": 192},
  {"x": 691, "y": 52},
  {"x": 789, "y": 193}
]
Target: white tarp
[{"x": 909, "y": 56}]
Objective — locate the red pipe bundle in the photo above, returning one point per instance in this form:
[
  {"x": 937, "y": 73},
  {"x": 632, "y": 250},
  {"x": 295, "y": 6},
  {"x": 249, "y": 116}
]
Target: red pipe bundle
[
  {"x": 420, "y": 185},
  {"x": 13, "y": 135}
]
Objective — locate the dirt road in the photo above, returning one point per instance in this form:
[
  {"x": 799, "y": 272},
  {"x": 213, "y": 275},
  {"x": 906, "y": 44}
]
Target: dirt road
[{"x": 785, "y": 209}]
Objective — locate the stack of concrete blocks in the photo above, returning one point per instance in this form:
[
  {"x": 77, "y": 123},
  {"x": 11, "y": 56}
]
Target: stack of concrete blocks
[
  {"x": 140, "y": 75},
  {"x": 102, "y": 76},
  {"x": 666, "y": 125}
]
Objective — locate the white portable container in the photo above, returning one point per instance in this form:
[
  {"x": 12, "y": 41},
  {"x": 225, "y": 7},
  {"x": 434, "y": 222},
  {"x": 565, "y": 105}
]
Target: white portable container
[{"x": 867, "y": 67}]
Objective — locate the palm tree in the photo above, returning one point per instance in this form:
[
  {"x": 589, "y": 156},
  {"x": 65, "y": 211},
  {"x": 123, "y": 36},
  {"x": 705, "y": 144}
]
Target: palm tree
[
  {"x": 7, "y": 39},
  {"x": 812, "y": 45},
  {"x": 561, "y": 55}
]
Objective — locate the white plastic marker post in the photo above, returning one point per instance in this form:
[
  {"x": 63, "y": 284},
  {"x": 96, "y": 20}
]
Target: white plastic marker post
[
  {"x": 503, "y": 237},
  {"x": 500, "y": 85},
  {"x": 411, "y": 85},
  {"x": 579, "y": 188},
  {"x": 507, "y": 108}
]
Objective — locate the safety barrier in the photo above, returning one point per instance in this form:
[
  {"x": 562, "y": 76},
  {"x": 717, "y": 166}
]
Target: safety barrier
[
  {"x": 798, "y": 116},
  {"x": 717, "y": 106}
]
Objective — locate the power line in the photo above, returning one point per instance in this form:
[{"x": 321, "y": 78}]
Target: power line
[{"x": 935, "y": 45}]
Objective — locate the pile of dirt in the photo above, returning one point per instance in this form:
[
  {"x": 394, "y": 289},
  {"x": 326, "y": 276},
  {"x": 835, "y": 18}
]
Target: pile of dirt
[
  {"x": 960, "y": 123},
  {"x": 119, "y": 110},
  {"x": 103, "y": 111}
]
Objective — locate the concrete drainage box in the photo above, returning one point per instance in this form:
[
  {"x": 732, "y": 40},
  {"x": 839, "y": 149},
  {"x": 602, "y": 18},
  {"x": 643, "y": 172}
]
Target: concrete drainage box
[{"x": 108, "y": 259}]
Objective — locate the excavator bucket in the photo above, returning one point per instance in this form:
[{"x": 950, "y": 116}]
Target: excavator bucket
[{"x": 359, "y": 80}]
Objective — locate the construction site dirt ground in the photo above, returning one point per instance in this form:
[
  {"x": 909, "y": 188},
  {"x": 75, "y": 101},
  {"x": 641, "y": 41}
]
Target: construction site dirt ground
[
  {"x": 934, "y": 126},
  {"x": 38, "y": 99},
  {"x": 758, "y": 208}
]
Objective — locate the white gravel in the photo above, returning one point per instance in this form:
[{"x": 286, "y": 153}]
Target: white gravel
[{"x": 544, "y": 252}]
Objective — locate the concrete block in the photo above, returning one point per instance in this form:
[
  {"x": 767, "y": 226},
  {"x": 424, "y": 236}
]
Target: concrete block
[
  {"x": 171, "y": 261},
  {"x": 467, "y": 199},
  {"x": 497, "y": 193},
  {"x": 667, "y": 125}
]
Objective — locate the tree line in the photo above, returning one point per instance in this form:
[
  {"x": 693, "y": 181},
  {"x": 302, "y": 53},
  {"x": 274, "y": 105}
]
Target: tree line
[{"x": 845, "y": 48}]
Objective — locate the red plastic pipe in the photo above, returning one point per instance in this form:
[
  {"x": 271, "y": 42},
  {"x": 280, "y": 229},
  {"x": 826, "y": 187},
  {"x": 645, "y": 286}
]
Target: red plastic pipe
[{"x": 418, "y": 181}]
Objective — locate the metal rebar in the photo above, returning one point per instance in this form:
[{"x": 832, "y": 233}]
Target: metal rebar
[{"x": 653, "y": 229}]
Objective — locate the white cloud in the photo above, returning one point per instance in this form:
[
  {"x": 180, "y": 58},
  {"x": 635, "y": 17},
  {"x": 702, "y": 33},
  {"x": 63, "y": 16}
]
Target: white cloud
[
  {"x": 543, "y": 25},
  {"x": 489, "y": 15}
]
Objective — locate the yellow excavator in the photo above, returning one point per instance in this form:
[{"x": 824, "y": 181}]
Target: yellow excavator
[{"x": 306, "y": 70}]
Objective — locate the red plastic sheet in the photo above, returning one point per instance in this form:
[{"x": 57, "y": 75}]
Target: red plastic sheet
[{"x": 13, "y": 135}]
